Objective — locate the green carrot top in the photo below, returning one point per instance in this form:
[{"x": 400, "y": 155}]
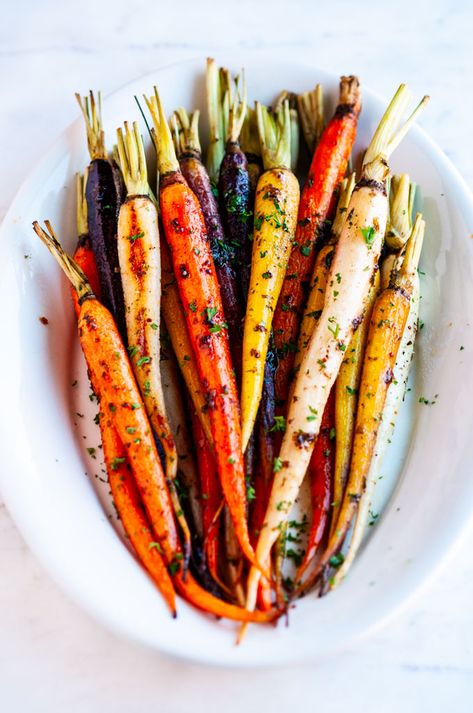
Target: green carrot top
[
  {"x": 166, "y": 155},
  {"x": 388, "y": 136},
  {"x": 274, "y": 130},
  {"x": 132, "y": 160},
  {"x": 92, "y": 113}
]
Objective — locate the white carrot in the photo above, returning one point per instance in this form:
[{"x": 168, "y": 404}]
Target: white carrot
[{"x": 140, "y": 269}]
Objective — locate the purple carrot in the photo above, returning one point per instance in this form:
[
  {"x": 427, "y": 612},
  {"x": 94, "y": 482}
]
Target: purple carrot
[
  {"x": 104, "y": 195},
  {"x": 234, "y": 182}
]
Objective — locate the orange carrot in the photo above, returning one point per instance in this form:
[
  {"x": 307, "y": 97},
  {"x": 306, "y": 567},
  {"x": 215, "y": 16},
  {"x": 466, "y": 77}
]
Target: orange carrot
[
  {"x": 124, "y": 491},
  {"x": 328, "y": 167},
  {"x": 194, "y": 269}
]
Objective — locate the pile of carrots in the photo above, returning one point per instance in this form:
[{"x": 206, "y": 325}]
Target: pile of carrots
[{"x": 245, "y": 330}]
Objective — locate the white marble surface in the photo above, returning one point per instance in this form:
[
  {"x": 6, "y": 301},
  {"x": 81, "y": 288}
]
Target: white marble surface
[{"x": 52, "y": 655}]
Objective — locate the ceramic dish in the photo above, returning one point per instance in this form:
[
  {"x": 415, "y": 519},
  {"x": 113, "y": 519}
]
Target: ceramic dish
[{"x": 53, "y": 487}]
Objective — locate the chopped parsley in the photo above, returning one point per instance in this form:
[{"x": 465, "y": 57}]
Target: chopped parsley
[{"x": 369, "y": 234}]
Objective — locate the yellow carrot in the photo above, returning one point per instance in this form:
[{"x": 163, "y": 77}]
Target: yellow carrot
[{"x": 276, "y": 205}]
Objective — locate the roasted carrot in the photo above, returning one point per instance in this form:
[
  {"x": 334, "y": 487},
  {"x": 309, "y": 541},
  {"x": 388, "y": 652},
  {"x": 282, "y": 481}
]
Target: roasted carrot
[
  {"x": 189, "y": 154},
  {"x": 198, "y": 288},
  {"x": 327, "y": 169},
  {"x": 140, "y": 269},
  {"x": 388, "y": 321},
  {"x": 355, "y": 260},
  {"x": 112, "y": 376},
  {"x": 277, "y": 199},
  {"x": 234, "y": 184},
  {"x": 104, "y": 197},
  {"x": 175, "y": 320}
]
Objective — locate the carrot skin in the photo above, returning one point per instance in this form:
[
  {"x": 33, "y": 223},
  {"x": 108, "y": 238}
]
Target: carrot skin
[
  {"x": 327, "y": 169},
  {"x": 200, "y": 296},
  {"x": 103, "y": 204},
  {"x": 198, "y": 179}
]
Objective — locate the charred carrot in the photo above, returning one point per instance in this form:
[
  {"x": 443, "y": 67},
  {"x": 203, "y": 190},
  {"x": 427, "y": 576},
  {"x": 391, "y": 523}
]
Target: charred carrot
[
  {"x": 112, "y": 376},
  {"x": 189, "y": 154},
  {"x": 104, "y": 197},
  {"x": 277, "y": 199},
  {"x": 175, "y": 320},
  {"x": 355, "y": 260},
  {"x": 198, "y": 288},
  {"x": 388, "y": 321},
  {"x": 327, "y": 169},
  {"x": 140, "y": 269},
  {"x": 234, "y": 184}
]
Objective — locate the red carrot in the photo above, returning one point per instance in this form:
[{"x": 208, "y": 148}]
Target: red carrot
[{"x": 328, "y": 167}]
